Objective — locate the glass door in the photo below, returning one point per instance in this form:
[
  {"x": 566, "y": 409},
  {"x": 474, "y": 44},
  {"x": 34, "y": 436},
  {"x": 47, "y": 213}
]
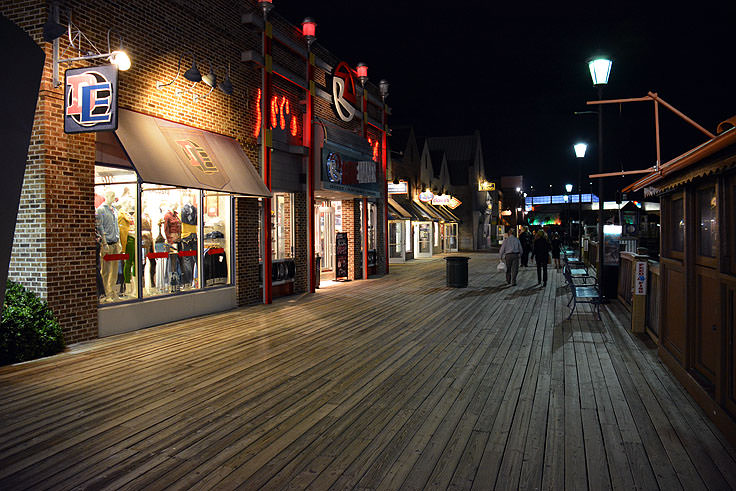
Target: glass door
[
  {"x": 325, "y": 236},
  {"x": 423, "y": 239},
  {"x": 396, "y": 240},
  {"x": 451, "y": 237}
]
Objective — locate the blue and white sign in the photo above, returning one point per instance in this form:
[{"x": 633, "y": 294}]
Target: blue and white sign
[{"x": 91, "y": 99}]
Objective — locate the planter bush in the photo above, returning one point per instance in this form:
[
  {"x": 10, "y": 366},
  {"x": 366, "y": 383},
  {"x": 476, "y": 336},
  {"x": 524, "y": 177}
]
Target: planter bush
[{"x": 28, "y": 328}]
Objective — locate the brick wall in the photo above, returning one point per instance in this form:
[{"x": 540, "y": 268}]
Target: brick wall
[
  {"x": 247, "y": 267},
  {"x": 351, "y": 223},
  {"x": 301, "y": 236}
]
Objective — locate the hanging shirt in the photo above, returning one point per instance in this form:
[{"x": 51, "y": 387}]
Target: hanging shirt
[
  {"x": 172, "y": 227},
  {"x": 106, "y": 222}
]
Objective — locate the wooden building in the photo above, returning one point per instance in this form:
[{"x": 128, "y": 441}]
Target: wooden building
[{"x": 697, "y": 191}]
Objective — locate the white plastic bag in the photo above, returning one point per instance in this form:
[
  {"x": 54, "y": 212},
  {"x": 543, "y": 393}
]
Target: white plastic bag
[{"x": 501, "y": 266}]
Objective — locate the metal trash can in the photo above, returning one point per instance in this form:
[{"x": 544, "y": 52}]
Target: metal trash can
[{"x": 457, "y": 271}]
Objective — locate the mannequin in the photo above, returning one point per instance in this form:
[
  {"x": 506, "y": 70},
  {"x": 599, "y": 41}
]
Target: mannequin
[
  {"x": 172, "y": 231},
  {"x": 127, "y": 243},
  {"x": 106, "y": 222}
]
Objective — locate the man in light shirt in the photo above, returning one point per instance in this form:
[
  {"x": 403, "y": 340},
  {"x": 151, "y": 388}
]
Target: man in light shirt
[{"x": 510, "y": 253}]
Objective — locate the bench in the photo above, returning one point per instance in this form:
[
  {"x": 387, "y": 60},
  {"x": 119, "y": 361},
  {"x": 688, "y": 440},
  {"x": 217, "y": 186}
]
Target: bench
[{"x": 582, "y": 293}]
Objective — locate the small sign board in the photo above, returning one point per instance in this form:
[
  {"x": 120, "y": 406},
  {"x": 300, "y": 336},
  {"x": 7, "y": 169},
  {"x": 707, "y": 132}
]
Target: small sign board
[
  {"x": 486, "y": 186},
  {"x": 91, "y": 99},
  {"x": 640, "y": 278},
  {"x": 341, "y": 255},
  {"x": 402, "y": 187}
]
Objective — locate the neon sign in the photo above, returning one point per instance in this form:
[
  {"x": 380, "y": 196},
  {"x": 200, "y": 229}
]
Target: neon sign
[
  {"x": 281, "y": 115},
  {"x": 426, "y": 196},
  {"x": 375, "y": 149},
  {"x": 343, "y": 92}
]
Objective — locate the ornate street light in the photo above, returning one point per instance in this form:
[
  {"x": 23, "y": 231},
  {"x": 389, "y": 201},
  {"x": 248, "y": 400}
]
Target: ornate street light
[
  {"x": 580, "y": 149},
  {"x": 600, "y": 70}
]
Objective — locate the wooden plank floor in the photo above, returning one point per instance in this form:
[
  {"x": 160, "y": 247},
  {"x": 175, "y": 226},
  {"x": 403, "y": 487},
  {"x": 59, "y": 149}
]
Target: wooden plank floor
[{"x": 392, "y": 383}]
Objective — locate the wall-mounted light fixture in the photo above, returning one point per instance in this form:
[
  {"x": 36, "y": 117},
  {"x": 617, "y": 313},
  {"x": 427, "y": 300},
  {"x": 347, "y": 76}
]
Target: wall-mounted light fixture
[
  {"x": 383, "y": 87},
  {"x": 53, "y": 30},
  {"x": 267, "y": 6},
  {"x": 309, "y": 31},
  {"x": 226, "y": 86},
  {"x": 362, "y": 70}
]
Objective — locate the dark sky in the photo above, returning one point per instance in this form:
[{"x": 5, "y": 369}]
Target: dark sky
[{"x": 519, "y": 74}]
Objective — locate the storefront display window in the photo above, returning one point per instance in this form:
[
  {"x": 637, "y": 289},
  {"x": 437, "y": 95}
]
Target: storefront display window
[
  {"x": 394, "y": 239},
  {"x": 282, "y": 220},
  {"x": 372, "y": 220},
  {"x": 217, "y": 239},
  {"x": 185, "y": 237},
  {"x": 115, "y": 227}
]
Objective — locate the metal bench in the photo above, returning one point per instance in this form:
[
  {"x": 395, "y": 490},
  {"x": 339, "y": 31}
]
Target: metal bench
[{"x": 582, "y": 293}]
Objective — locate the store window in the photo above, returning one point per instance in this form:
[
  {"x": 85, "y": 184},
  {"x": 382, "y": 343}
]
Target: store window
[
  {"x": 282, "y": 221},
  {"x": 707, "y": 231},
  {"x": 116, "y": 192},
  {"x": 182, "y": 247},
  {"x": 372, "y": 220},
  {"x": 437, "y": 235}
]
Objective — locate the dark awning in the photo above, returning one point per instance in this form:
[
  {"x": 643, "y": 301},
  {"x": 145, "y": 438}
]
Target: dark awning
[
  {"x": 410, "y": 208},
  {"x": 395, "y": 212},
  {"x": 172, "y": 154}
]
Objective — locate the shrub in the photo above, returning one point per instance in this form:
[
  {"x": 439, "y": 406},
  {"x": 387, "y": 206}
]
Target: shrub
[{"x": 28, "y": 328}]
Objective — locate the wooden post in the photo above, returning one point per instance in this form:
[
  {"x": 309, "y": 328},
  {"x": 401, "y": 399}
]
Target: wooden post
[{"x": 640, "y": 291}]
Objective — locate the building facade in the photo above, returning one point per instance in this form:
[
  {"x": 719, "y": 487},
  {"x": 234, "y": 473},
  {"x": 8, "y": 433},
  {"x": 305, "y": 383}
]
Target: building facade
[{"x": 229, "y": 154}]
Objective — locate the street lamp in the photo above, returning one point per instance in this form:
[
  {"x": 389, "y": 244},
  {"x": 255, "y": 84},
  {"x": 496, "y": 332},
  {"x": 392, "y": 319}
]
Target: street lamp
[
  {"x": 600, "y": 69},
  {"x": 568, "y": 189},
  {"x": 580, "y": 149}
]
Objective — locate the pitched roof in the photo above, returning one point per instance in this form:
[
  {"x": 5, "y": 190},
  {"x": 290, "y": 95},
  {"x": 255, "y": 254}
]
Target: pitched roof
[
  {"x": 436, "y": 157},
  {"x": 457, "y": 148}
]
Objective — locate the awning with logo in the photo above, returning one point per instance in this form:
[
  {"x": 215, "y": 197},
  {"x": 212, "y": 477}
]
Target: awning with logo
[{"x": 173, "y": 154}]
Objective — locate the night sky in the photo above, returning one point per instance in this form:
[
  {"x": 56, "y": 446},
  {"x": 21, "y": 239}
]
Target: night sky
[{"x": 519, "y": 75}]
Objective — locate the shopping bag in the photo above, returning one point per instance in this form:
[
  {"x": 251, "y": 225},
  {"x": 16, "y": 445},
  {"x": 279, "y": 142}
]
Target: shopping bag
[{"x": 501, "y": 266}]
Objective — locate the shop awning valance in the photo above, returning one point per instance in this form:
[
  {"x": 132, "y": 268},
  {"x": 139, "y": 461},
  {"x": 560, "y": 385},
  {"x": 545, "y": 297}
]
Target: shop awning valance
[
  {"x": 173, "y": 154},
  {"x": 396, "y": 212}
]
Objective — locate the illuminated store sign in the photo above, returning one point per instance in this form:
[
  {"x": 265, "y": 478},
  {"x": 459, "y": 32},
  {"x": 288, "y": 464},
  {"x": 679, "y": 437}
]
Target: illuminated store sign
[
  {"x": 91, "y": 99},
  {"x": 282, "y": 115},
  {"x": 347, "y": 172},
  {"x": 426, "y": 196},
  {"x": 402, "y": 187},
  {"x": 486, "y": 186},
  {"x": 442, "y": 199},
  {"x": 454, "y": 203},
  {"x": 344, "y": 97}
]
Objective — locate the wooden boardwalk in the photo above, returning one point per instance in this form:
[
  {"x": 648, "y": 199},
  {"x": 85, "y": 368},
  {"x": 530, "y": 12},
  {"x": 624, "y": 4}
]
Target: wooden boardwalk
[{"x": 392, "y": 383}]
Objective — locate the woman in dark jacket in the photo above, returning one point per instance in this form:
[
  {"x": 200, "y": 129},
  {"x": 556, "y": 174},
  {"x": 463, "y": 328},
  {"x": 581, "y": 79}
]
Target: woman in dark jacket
[
  {"x": 541, "y": 255},
  {"x": 556, "y": 249}
]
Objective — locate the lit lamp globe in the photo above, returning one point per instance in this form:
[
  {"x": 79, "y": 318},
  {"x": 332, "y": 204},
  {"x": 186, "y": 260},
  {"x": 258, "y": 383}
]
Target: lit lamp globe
[
  {"x": 580, "y": 149},
  {"x": 600, "y": 69},
  {"x": 568, "y": 188},
  {"x": 120, "y": 59}
]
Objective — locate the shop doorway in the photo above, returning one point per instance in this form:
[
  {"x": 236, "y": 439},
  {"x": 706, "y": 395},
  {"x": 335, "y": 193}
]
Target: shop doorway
[
  {"x": 325, "y": 237},
  {"x": 396, "y": 248},
  {"x": 423, "y": 240},
  {"x": 451, "y": 237}
]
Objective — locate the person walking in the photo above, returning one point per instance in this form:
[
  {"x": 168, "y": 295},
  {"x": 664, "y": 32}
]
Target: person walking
[
  {"x": 526, "y": 239},
  {"x": 541, "y": 252},
  {"x": 510, "y": 252},
  {"x": 556, "y": 249}
]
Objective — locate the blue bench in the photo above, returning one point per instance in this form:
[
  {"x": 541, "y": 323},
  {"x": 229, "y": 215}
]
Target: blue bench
[{"x": 582, "y": 292}]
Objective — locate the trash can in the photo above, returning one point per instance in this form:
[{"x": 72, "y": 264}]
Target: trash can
[
  {"x": 317, "y": 270},
  {"x": 457, "y": 271}
]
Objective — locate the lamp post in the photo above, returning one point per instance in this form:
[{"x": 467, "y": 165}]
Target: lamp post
[
  {"x": 309, "y": 31},
  {"x": 580, "y": 149},
  {"x": 568, "y": 190},
  {"x": 600, "y": 69}
]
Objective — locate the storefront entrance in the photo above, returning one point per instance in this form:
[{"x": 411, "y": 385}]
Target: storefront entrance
[
  {"x": 325, "y": 237},
  {"x": 451, "y": 237},
  {"x": 423, "y": 239}
]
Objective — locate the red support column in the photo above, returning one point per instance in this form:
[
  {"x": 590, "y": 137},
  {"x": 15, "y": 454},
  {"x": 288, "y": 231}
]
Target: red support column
[
  {"x": 384, "y": 162},
  {"x": 266, "y": 158},
  {"x": 364, "y": 218},
  {"x": 309, "y": 143}
]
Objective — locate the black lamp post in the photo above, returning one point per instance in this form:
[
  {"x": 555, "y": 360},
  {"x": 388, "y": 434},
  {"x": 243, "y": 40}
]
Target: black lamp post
[
  {"x": 600, "y": 69},
  {"x": 580, "y": 149}
]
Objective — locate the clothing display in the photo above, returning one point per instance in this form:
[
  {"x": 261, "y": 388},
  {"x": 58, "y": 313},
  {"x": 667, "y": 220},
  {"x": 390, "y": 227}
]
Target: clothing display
[
  {"x": 106, "y": 220},
  {"x": 188, "y": 263},
  {"x": 172, "y": 226},
  {"x": 214, "y": 267}
]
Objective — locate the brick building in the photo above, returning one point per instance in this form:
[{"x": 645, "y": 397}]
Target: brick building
[{"x": 209, "y": 179}]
